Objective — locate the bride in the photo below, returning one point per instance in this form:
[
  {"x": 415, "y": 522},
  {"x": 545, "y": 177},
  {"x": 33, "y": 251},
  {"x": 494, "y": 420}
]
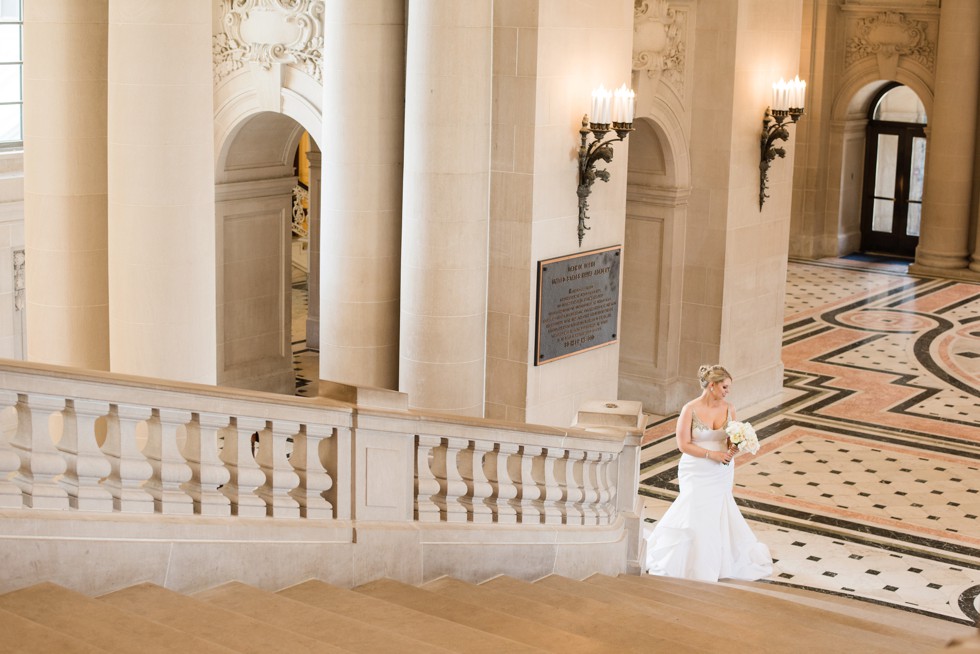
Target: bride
[{"x": 703, "y": 535}]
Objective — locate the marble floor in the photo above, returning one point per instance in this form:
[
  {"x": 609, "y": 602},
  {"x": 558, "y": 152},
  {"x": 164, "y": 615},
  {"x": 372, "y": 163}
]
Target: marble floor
[{"x": 867, "y": 481}]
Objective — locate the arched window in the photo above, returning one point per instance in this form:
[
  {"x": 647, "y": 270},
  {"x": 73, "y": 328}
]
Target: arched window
[{"x": 11, "y": 73}]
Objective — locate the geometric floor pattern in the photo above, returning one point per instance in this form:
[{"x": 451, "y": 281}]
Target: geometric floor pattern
[{"x": 867, "y": 481}]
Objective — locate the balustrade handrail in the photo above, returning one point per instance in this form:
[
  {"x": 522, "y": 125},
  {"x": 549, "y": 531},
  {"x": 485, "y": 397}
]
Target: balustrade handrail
[{"x": 99, "y": 441}]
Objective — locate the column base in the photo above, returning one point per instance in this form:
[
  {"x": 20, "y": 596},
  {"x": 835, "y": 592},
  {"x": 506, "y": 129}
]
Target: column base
[
  {"x": 940, "y": 261},
  {"x": 962, "y": 274}
]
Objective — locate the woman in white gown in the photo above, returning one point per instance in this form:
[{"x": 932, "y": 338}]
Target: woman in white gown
[{"x": 703, "y": 535}]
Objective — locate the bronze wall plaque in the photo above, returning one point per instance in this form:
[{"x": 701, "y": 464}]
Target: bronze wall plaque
[{"x": 578, "y": 303}]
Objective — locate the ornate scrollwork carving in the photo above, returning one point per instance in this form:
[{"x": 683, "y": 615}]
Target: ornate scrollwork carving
[
  {"x": 20, "y": 280},
  {"x": 269, "y": 32},
  {"x": 889, "y": 34},
  {"x": 660, "y": 47}
]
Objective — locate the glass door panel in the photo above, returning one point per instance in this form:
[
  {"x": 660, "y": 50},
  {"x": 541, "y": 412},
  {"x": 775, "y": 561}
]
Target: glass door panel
[{"x": 891, "y": 211}]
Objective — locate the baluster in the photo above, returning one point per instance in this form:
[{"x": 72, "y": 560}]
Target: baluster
[
  {"x": 426, "y": 485},
  {"x": 544, "y": 475},
  {"x": 280, "y": 478},
  {"x": 606, "y": 503},
  {"x": 170, "y": 470},
  {"x": 40, "y": 461},
  {"x": 129, "y": 468},
  {"x": 11, "y": 497},
  {"x": 451, "y": 483},
  {"x": 313, "y": 478},
  {"x": 245, "y": 474},
  {"x": 207, "y": 470},
  {"x": 528, "y": 501},
  {"x": 571, "y": 482},
  {"x": 335, "y": 453},
  {"x": 478, "y": 488},
  {"x": 590, "y": 489},
  {"x": 503, "y": 488},
  {"x": 86, "y": 465}
]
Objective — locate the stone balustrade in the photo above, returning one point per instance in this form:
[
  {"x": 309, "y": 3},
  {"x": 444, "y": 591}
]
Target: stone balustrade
[
  {"x": 104, "y": 443},
  {"x": 98, "y": 443}
]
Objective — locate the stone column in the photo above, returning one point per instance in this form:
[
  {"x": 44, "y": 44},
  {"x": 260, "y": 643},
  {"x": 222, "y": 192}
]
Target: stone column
[
  {"x": 313, "y": 276},
  {"x": 65, "y": 47},
  {"x": 360, "y": 208},
  {"x": 446, "y": 189},
  {"x": 948, "y": 191},
  {"x": 162, "y": 295}
]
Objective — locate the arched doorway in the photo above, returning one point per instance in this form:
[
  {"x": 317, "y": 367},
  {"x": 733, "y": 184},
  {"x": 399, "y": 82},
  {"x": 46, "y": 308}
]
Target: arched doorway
[
  {"x": 256, "y": 199},
  {"x": 894, "y": 169}
]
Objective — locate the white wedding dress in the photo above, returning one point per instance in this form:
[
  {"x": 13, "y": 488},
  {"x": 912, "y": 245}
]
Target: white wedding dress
[{"x": 703, "y": 534}]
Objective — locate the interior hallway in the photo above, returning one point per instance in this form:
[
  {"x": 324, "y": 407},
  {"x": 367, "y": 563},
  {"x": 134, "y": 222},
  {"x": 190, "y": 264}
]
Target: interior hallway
[{"x": 867, "y": 481}]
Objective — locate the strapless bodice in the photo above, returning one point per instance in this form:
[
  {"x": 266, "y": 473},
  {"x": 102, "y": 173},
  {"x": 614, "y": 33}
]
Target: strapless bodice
[{"x": 705, "y": 436}]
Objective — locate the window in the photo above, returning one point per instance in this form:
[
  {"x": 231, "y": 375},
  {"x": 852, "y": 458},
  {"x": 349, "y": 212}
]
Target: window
[{"x": 11, "y": 73}]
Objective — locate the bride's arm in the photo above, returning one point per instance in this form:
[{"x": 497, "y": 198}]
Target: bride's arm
[{"x": 685, "y": 440}]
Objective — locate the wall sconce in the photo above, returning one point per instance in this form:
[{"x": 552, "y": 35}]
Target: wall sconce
[
  {"x": 787, "y": 102},
  {"x": 608, "y": 109}
]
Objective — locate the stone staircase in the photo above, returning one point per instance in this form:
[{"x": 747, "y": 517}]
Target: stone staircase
[{"x": 554, "y": 614}]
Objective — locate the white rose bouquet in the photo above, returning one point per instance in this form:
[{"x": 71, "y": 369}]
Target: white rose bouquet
[{"x": 742, "y": 435}]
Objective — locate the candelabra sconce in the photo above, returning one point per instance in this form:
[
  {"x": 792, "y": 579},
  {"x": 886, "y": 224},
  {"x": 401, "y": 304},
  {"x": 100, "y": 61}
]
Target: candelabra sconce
[
  {"x": 611, "y": 114},
  {"x": 787, "y": 108}
]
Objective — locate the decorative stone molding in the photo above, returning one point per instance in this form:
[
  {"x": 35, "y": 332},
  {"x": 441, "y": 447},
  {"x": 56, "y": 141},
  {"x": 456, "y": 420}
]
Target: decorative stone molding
[
  {"x": 659, "y": 43},
  {"x": 269, "y": 32},
  {"x": 20, "y": 281},
  {"x": 888, "y": 35}
]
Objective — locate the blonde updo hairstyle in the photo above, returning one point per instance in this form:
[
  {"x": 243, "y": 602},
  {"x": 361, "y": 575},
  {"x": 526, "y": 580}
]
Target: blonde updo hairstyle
[{"x": 712, "y": 375}]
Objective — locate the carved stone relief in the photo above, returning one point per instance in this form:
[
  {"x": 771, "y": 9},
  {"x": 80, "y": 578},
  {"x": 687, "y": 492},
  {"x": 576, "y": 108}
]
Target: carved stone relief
[
  {"x": 659, "y": 43},
  {"x": 888, "y": 35},
  {"x": 20, "y": 281},
  {"x": 269, "y": 32}
]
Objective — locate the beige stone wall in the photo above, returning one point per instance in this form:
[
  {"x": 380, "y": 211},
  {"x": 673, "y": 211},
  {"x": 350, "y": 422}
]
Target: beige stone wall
[
  {"x": 548, "y": 56},
  {"x": 704, "y": 267}
]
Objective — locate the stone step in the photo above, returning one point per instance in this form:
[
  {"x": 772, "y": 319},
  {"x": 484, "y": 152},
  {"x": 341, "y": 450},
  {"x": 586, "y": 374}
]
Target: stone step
[
  {"x": 208, "y": 622},
  {"x": 22, "y": 636},
  {"x": 933, "y": 632},
  {"x": 342, "y": 633},
  {"x": 517, "y": 601},
  {"x": 521, "y": 630},
  {"x": 884, "y": 621},
  {"x": 786, "y": 622},
  {"x": 679, "y": 622},
  {"x": 90, "y": 621},
  {"x": 435, "y": 630}
]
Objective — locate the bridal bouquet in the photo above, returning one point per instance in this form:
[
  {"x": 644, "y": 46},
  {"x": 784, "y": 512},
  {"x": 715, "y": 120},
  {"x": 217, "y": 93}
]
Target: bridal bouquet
[{"x": 742, "y": 435}]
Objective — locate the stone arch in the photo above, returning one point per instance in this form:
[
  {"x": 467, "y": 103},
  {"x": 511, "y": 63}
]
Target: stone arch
[
  {"x": 847, "y": 139},
  {"x": 259, "y": 119},
  {"x": 658, "y": 188}
]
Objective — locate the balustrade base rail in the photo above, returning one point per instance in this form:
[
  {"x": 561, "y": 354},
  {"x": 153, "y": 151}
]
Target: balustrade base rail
[{"x": 96, "y": 554}]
